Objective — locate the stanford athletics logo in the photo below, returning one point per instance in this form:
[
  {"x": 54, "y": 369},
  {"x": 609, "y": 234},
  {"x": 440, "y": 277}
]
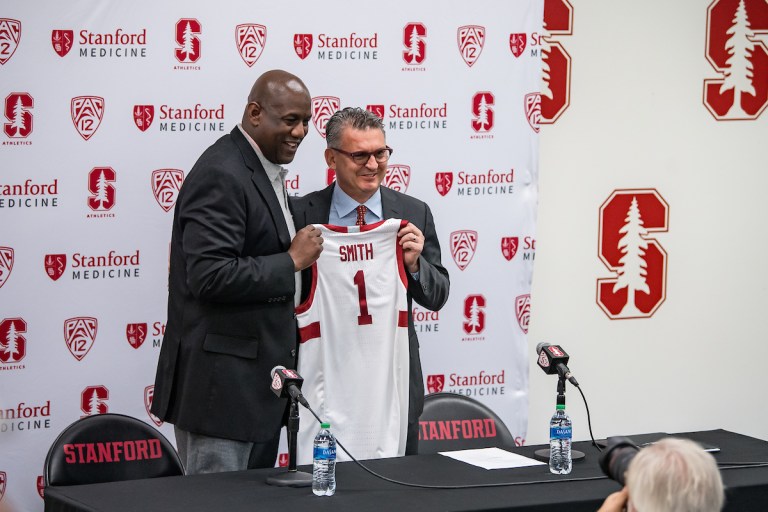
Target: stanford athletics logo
[
  {"x": 87, "y": 112},
  {"x": 10, "y": 34},
  {"x": 398, "y": 177},
  {"x": 628, "y": 218},
  {"x": 443, "y": 182},
  {"x": 143, "y": 115},
  {"x": 414, "y": 40},
  {"x": 463, "y": 244},
  {"x": 93, "y": 400},
  {"x": 509, "y": 246},
  {"x": 737, "y": 50},
  {"x": 323, "y": 107},
  {"x": 79, "y": 335},
  {"x": 17, "y": 105},
  {"x": 136, "y": 334},
  {"x": 302, "y": 44},
  {"x": 165, "y": 185},
  {"x": 377, "y": 110},
  {"x": 517, "y": 44},
  {"x": 13, "y": 346},
  {"x": 187, "y": 32},
  {"x": 282, "y": 460},
  {"x": 435, "y": 383},
  {"x": 474, "y": 313},
  {"x": 523, "y": 311},
  {"x": 482, "y": 111},
  {"x": 100, "y": 181},
  {"x": 6, "y": 264},
  {"x": 555, "y": 61},
  {"x": 149, "y": 395},
  {"x": 533, "y": 110},
  {"x": 55, "y": 264},
  {"x": 471, "y": 39},
  {"x": 62, "y": 41},
  {"x": 251, "y": 39}
]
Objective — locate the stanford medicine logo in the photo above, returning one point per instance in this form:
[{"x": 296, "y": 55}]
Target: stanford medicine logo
[
  {"x": 101, "y": 188},
  {"x": 61, "y": 40},
  {"x": 13, "y": 346},
  {"x": 6, "y": 264},
  {"x": 478, "y": 384},
  {"x": 187, "y": 31},
  {"x": 149, "y": 396},
  {"x": 398, "y": 177},
  {"x": 637, "y": 261},
  {"x": 143, "y": 115},
  {"x": 482, "y": 114},
  {"x": 10, "y": 34},
  {"x": 737, "y": 50},
  {"x": 349, "y": 47},
  {"x": 302, "y": 45},
  {"x": 463, "y": 244},
  {"x": 166, "y": 184},
  {"x": 443, "y": 182},
  {"x": 377, "y": 110},
  {"x": 435, "y": 383},
  {"x": 471, "y": 39},
  {"x": 79, "y": 335},
  {"x": 250, "y": 39},
  {"x": 474, "y": 317},
  {"x": 468, "y": 183},
  {"x": 415, "y": 42},
  {"x": 523, "y": 311},
  {"x": 87, "y": 112},
  {"x": 323, "y": 107},
  {"x": 136, "y": 334},
  {"x": 93, "y": 400},
  {"x": 509, "y": 246},
  {"x": 555, "y": 61},
  {"x": 17, "y": 112},
  {"x": 55, "y": 264},
  {"x": 517, "y": 44}
]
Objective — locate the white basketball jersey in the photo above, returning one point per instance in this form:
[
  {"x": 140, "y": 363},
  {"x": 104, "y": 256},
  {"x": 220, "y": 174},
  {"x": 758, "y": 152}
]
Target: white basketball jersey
[{"x": 354, "y": 342}]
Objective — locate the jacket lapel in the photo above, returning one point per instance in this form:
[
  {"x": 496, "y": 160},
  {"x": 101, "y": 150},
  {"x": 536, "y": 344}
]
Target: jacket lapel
[{"x": 390, "y": 204}]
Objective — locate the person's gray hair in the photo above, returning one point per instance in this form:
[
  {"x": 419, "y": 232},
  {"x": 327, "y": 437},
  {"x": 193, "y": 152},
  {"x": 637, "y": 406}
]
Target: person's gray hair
[
  {"x": 352, "y": 117},
  {"x": 674, "y": 475}
]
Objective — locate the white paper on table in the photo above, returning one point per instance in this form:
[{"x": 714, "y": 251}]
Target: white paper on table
[{"x": 492, "y": 458}]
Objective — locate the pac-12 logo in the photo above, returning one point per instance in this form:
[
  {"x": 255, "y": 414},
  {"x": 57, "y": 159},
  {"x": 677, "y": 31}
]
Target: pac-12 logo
[
  {"x": 463, "y": 244},
  {"x": 17, "y": 111},
  {"x": 6, "y": 264},
  {"x": 482, "y": 111},
  {"x": 149, "y": 396},
  {"x": 414, "y": 40},
  {"x": 55, "y": 264},
  {"x": 737, "y": 49},
  {"x": 80, "y": 334},
  {"x": 555, "y": 61},
  {"x": 3, "y": 479},
  {"x": 398, "y": 177},
  {"x": 87, "y": 113},
  {"x": 435, "y": 383},
  {"x": 474, "y": 314},
  {"x": 93, "y": 400},
  {"x": 251, "y": 39},
  {"x": 627, "y": 249},
  {"x": 10, "y": 34},
  {"x": 166, "y": 184},
  {"x": 62, "y": 40},
  {"x": 302, "y": 45},
  {"x": 323, "y": 107},
  {"x": 471, "y": 39},
  {"x": 13, "y": 346},
  {"x": 523, "y": 311},
  {"x": 100, "y": 185},
  {"x": 188, "y": 31}
]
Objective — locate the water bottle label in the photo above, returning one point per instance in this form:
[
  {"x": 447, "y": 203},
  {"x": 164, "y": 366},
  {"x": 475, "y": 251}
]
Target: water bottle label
[
  {"x": 560, "y": 433},
  {"x": 325, "y": 453}
]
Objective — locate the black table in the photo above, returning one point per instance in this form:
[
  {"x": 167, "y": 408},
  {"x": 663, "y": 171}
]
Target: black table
[{"x": 583, "y": 490}]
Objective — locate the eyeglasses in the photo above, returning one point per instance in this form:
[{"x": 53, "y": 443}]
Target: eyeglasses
[{"x": 362, "y": 157}]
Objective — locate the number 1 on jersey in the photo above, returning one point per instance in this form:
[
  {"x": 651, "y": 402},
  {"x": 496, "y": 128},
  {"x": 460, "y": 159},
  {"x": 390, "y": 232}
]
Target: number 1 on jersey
[{"x": 363, "y": 318}]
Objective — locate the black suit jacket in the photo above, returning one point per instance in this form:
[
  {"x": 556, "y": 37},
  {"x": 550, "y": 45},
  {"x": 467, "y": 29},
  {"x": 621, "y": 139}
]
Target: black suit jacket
[
  {"x": 230, "y": 304},
  {"x": 431, "y": 291}
]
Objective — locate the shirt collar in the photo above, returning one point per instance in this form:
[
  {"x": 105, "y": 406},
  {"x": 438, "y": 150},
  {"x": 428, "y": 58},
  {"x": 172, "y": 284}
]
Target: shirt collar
[
  {"x": 343, "y": 204},
  {"x": 274, "y": 171}
]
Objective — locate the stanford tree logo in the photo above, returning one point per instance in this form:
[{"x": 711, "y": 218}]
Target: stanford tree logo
[
  {"x": 10, "y": 34},
  {"x": 398, "y": 177},
  {"x": 627, "y": 249},
  {"x": 187, "y": 32},
  {"x": 13, "y": 346},
  {"x": 323, "y": 107},
  {"x": 737, "y": 50},
  {"x": 471, "y": 39},
  {"x": 6, "y": 264},
  {"x": 100, "y": 185},
  {"x": 474, "y": 313},
  {"x": 463, "y": 244},
  {"x": 482, "y": 111},
  {"x": 250, "y": 39},
  {"x": 302, "y": 44},
  {"x": 79, "y": 335},
  {"x": 93, "y": 400},
  {"x": 555, "y": 61},
  {"x": 61, "y": 40},
  {"x": 414, "y": 40},
  {"x": 17, "y": 112},
  {"x": 87, "y": 113},
  {"x": 165, "y": 186}
]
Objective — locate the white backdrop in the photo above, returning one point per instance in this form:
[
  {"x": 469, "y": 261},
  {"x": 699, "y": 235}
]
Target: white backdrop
[{"x": 107, "y": 107}]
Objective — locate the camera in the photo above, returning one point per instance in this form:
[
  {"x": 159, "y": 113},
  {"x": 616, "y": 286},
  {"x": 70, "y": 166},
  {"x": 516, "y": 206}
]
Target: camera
[{"x": 615, "y": 459}]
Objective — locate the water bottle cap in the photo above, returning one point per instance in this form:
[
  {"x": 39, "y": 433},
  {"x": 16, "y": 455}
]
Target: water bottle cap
[
  {"x": 325, "y": 425},
  {"x": 560, "y": 407}
]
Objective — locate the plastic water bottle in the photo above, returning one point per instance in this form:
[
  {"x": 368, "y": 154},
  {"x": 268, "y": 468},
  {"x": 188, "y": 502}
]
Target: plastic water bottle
[
  {"x": 324, "y": 462},
  {"x": 560, "y": 434}
]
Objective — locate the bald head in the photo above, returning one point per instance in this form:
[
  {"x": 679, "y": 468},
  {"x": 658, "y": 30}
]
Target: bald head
[{"x": 277, "y": 115}]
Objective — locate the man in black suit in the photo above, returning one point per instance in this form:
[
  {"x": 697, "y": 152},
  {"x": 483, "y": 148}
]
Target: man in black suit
[
  {"x": 234, "y": 272},
  {"x": 358, "y": 153}
]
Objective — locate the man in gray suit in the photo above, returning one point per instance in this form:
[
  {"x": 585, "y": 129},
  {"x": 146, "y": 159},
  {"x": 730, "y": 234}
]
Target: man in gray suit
[
  {"x": 358, "y": 153},
  {"x": 234, "y": 274}
]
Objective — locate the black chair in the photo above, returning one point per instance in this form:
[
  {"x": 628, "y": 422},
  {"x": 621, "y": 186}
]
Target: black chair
[
  {"x": 108, "y": 448},
  {"x": 456, "y": 422}
]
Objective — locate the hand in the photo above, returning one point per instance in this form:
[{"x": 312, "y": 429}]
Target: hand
[
  {"x": 306, "y": 247},
  {"x": 412, "y": 240},
  {"x": 616, "y": 502}
]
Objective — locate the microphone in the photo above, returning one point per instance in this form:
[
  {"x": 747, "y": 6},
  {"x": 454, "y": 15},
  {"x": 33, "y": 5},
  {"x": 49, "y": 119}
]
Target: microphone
[
  {"x": 553, "y": 359},
  {"x": 287, "y": 383}
]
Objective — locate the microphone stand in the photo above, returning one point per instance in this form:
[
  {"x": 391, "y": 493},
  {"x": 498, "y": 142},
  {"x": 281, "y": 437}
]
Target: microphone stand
[
  {"x": 293, "y": 477},
  {"x": 543, "y": 454}
]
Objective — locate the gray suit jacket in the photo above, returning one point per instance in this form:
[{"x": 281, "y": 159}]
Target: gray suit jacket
[{"x": 431, "y": 291}]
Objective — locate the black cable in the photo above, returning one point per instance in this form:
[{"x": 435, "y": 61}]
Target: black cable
[
  {"x": 468, "y": 486},
  {"x": 589, "y": 420},
  {"x": 741, "y": 465}
]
